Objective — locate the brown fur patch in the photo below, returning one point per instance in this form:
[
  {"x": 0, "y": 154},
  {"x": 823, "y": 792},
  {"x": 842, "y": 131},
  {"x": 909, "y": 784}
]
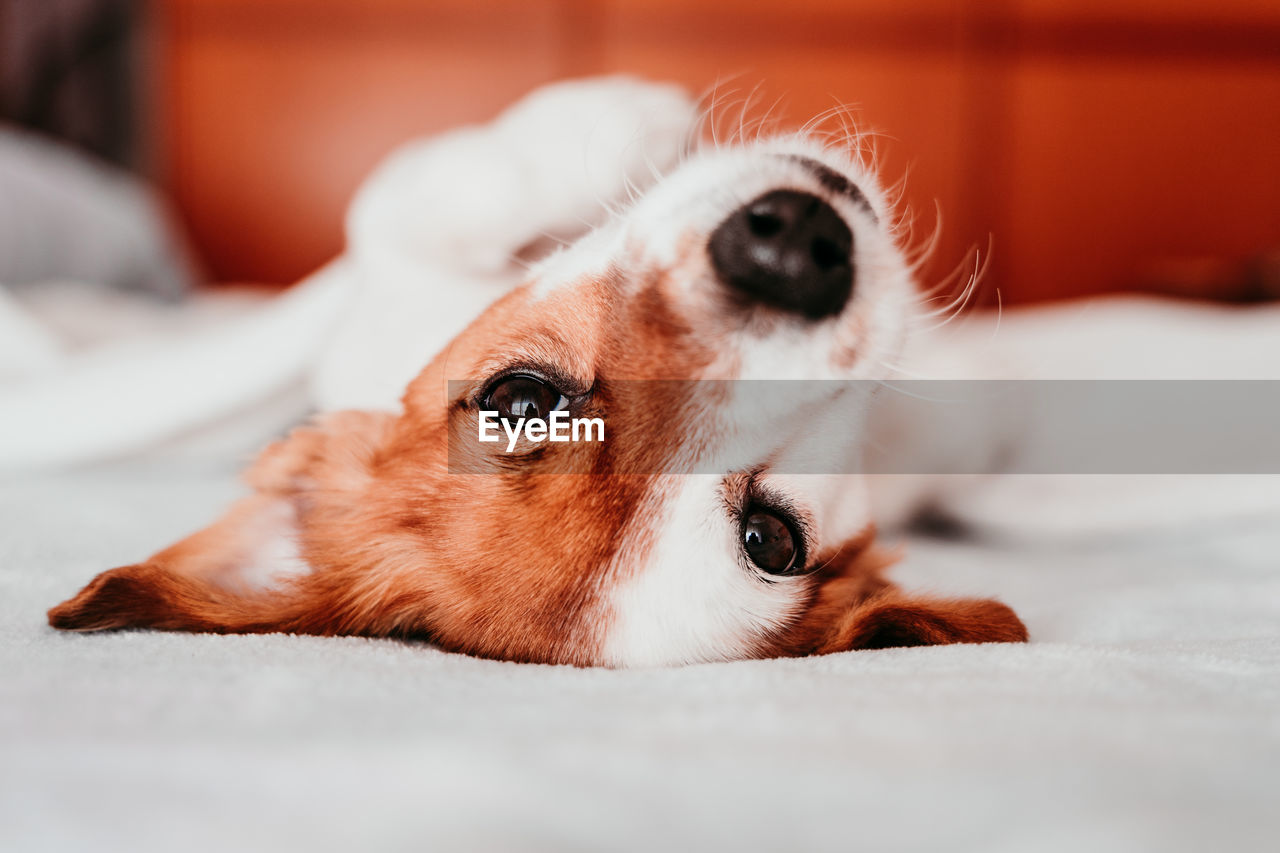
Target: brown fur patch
[
  {"x": 854, "y": 607},
  {"x": 496, "y": 564}
]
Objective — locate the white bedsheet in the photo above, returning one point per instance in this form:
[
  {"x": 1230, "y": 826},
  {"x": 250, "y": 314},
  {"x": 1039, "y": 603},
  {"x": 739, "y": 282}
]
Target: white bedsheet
[{"x": 1145, "y": 715}]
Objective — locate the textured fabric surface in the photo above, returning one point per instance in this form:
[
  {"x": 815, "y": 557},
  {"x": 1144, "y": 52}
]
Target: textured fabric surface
[{"x": 1143, "y": 716}]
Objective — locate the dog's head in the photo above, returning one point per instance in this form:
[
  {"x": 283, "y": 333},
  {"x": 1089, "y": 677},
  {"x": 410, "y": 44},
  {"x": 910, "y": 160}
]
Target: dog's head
[{"x": 686, "y": 534}]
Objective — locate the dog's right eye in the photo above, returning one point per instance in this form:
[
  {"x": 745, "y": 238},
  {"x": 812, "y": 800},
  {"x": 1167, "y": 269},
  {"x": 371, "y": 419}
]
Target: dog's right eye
[
  {"x": 522, "y": 396},
  {"x": 771, "y": 544}
]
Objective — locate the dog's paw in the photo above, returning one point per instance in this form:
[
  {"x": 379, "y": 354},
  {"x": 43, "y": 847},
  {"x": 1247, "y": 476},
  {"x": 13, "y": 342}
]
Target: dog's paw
[
  {"x": 551, "y": 164},
  {"x": 589, "y": 142}
]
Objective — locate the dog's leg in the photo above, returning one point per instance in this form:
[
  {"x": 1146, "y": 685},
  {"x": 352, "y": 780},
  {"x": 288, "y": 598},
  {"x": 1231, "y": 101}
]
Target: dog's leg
[
  {"x": 447, "y": 225},
  {"x": 472, "y": 198}
]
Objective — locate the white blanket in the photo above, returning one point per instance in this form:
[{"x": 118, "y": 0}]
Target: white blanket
[{"x": 1143, "y": 716}]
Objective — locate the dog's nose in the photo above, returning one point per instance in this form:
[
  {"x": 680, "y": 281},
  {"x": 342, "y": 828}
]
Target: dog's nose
[{"x": 788, "y": 249}]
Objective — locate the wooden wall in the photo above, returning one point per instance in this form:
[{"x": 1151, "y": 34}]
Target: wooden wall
[{"x": 1095, "y": 144}]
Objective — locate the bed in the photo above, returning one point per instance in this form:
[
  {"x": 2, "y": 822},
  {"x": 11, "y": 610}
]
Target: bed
[{"x": 1142, "y": 716}]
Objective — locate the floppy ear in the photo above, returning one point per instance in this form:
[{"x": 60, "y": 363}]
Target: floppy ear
[
  {"x": 854, "y": 607},
  {"x": 248, "y": 572},
  {"x": 891, "y": 618},
  {"x": 229, "y": 577}
]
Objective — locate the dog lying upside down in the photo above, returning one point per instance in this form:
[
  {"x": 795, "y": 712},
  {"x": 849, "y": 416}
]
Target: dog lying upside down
[{"x": 772, "y": 259}]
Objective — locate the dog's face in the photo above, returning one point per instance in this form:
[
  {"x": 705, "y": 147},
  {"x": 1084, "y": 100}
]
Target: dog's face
[{"x": 684, "y": 535}]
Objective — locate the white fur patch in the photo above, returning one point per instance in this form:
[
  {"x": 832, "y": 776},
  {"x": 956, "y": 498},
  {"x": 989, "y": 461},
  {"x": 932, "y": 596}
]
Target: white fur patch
[
  {"x": 695, "y": 599},
  {"x": 271, "y": 552}
]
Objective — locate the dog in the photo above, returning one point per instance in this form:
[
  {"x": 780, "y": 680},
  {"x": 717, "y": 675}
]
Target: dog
[{"x": 692, "y": 532}]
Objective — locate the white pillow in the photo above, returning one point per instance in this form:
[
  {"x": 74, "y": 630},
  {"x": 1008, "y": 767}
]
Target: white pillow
[{"x": 67, "y": 217}]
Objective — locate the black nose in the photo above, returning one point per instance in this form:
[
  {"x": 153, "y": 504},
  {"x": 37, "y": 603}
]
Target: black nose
[{"x": 788, "y": 249}]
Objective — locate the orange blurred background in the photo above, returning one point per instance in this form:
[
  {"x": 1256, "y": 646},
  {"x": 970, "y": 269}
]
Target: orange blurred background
[{"x": 1096, "y": 145}]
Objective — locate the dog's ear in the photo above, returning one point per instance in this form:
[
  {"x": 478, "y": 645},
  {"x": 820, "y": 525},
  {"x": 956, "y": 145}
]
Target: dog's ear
[
  {"x": 233, "y": 576},
  {"x": 855, "y": 607},
  {"x": 249, "y": 571},
  {"x": 890, "y": 619}
]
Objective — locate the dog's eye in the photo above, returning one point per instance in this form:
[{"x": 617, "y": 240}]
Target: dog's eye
[
  {"x": 525, "y": 397},
  {"x": 771, "y": 544}
]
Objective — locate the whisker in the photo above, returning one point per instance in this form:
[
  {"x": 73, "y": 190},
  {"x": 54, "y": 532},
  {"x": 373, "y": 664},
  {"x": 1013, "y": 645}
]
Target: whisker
[{"x": 981, "y": 265}]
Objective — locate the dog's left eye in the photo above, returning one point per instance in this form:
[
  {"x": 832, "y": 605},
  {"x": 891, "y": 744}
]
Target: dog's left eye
[
  {"x": 771, "y": 544},
  {"x": 523, "y": 396}
]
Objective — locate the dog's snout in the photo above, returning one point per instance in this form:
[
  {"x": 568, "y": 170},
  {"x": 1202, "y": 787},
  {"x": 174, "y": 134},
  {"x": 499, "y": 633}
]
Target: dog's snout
[{"x": 788, "y": 249}]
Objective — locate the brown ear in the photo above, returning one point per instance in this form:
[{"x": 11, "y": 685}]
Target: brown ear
[
  {"x": 147, "y": 595},
  {"x": 890, "y": 619},
  {"x": 226, "y": 578},
  {"x": 249, "y": 572}
]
